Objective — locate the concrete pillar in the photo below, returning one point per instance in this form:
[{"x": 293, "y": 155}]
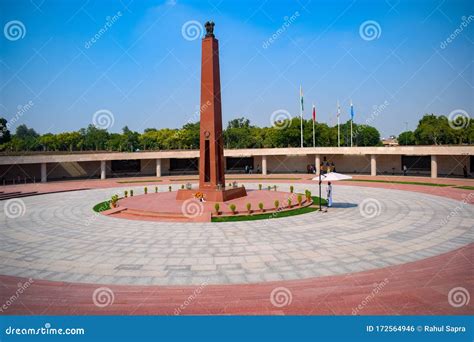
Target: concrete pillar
[
  {"x": 264, "y": 165},
  {"x": 103, "y": 169},
  {"x": 434, "y": 166},
  {"x": 373, "y": 165},
  {"x": 44, "y": 173},
  {"x": 158, "y": 168},
  {"x": 317, "y": 163}
]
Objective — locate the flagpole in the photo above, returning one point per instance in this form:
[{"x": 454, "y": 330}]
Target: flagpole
[
  {"x": 314, "y": 136},
  {"x": 338, "y": 125},
  {"x": 301, "y": 119},
  {"x": 352, "y": 119}
]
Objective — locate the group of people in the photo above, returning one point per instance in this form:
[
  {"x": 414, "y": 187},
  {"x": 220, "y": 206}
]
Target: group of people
[
  {"x": 249, "y": 169},
  {"x": 325, "y": 167}
]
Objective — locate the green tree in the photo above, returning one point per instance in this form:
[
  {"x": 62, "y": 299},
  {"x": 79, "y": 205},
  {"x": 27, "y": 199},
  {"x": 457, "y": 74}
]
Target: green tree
[
  {"x": 406, "y": 138},
  {"x": 4, "y": 132}
]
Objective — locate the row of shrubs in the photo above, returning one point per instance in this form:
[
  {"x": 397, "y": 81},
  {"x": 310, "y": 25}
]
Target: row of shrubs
[{"x": 276, "y": 203}]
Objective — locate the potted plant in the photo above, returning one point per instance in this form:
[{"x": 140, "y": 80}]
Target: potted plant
[
  {"x": 300, "y": 199},
  {"x": 292, "y": 188},
  {"x": 125, "y": 193},
  {"x": 249, "y": 207},
  {"x": 131, "y": 193},
  {"x": 277, "y": 204},
  {"x": 145, "y": 189},
  {"x": 232, "y": 208},
  {"x": 260, "y": 206},
  {"x": 113, "y": 201},
  {"x": 217, "y": 207},
  {"x": 260, "y": 187}
]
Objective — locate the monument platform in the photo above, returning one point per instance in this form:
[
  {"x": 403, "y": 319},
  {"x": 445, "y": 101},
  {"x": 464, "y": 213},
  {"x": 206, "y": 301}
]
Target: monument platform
[
  {"x": 213, "y": 195},
  {"x": 164, "y": 206}
]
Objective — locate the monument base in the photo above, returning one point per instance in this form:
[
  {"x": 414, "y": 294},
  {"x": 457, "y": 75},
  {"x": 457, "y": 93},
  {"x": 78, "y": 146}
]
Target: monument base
[{"x": 213, "y": 195}]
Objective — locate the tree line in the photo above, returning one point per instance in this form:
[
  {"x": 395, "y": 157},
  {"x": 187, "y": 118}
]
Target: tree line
[{"x": 239, "y": 133}]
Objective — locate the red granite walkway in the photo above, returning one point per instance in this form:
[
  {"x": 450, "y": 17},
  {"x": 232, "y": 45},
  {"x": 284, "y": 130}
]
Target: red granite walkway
[{"x": 416, "y": 288}]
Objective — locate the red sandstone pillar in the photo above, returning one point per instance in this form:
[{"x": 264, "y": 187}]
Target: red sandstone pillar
[{"x": 211, "y": 161}]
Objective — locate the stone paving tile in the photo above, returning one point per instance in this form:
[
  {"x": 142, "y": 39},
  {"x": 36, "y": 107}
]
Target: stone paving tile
[{"x": 59, "y": 238}]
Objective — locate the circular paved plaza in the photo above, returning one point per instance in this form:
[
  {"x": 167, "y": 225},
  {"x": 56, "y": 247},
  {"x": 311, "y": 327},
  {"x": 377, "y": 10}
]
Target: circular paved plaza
[{"x": 58, "y": 237}]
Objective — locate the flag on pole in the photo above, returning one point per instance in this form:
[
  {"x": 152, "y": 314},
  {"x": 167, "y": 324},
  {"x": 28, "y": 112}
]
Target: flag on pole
[
  {"x": 314, "y": 113},
  {"x": 301, "y": 100},
  {"x": 352, "y": 111}
]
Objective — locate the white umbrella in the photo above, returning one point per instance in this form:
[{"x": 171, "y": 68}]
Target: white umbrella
[{"x": 332, "y": 176}]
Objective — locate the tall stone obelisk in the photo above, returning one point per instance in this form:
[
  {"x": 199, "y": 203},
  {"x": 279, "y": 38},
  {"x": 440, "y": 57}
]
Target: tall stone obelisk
[
  {"x": 211, "y": 150},
  {"x": 211, "y": 156}
]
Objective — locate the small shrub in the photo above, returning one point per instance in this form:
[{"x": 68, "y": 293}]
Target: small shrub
[
  {"x": 232, "y": 208},
  {"x": 113, "y": 201},
  {"x": 292, "y": 188},
  {"x": 308, "y": 195},
  {"x": 182, "y": 186},
  {"x": 269, "y": 187},
  {"x": 169, "y": 188},
  {"x": 131, "y": 193},
  {"x": 300, "y": 199},
  {"x": 275, "y": 187},
  {"x": 260, "y": 187},
  {"x": 260, "y": 205},
  {"x": 217, "y": 207},
  {"x": 145, "y": 189},
  {"x": 125, "y": 193},
  {"x": 276, "y": 203},
  {"x": 289, "y": 202},
  {"x": 156, "y": 189},
  {"x": 249, "y": 207}
]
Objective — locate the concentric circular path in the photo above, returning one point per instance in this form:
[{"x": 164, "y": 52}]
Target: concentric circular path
[{"x": 59, "y": 238}]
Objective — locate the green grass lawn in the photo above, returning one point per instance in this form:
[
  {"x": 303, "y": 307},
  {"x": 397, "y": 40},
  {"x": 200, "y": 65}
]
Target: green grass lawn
[
  {"x": 265, "y": 216},
  {"x": 396, "y": 182},
  {"x": 102, "y": 206},
  {"x": 465, "y": 187}
]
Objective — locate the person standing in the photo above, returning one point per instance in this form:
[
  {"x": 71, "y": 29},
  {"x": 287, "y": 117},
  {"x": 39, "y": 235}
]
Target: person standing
[
  {"x": 404, "y": 170},
  {"x": 329, "y": 195}
]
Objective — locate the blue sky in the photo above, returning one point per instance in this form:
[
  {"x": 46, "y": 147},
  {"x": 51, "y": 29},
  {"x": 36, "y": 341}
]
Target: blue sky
[{"x": 147, "y": 74}]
